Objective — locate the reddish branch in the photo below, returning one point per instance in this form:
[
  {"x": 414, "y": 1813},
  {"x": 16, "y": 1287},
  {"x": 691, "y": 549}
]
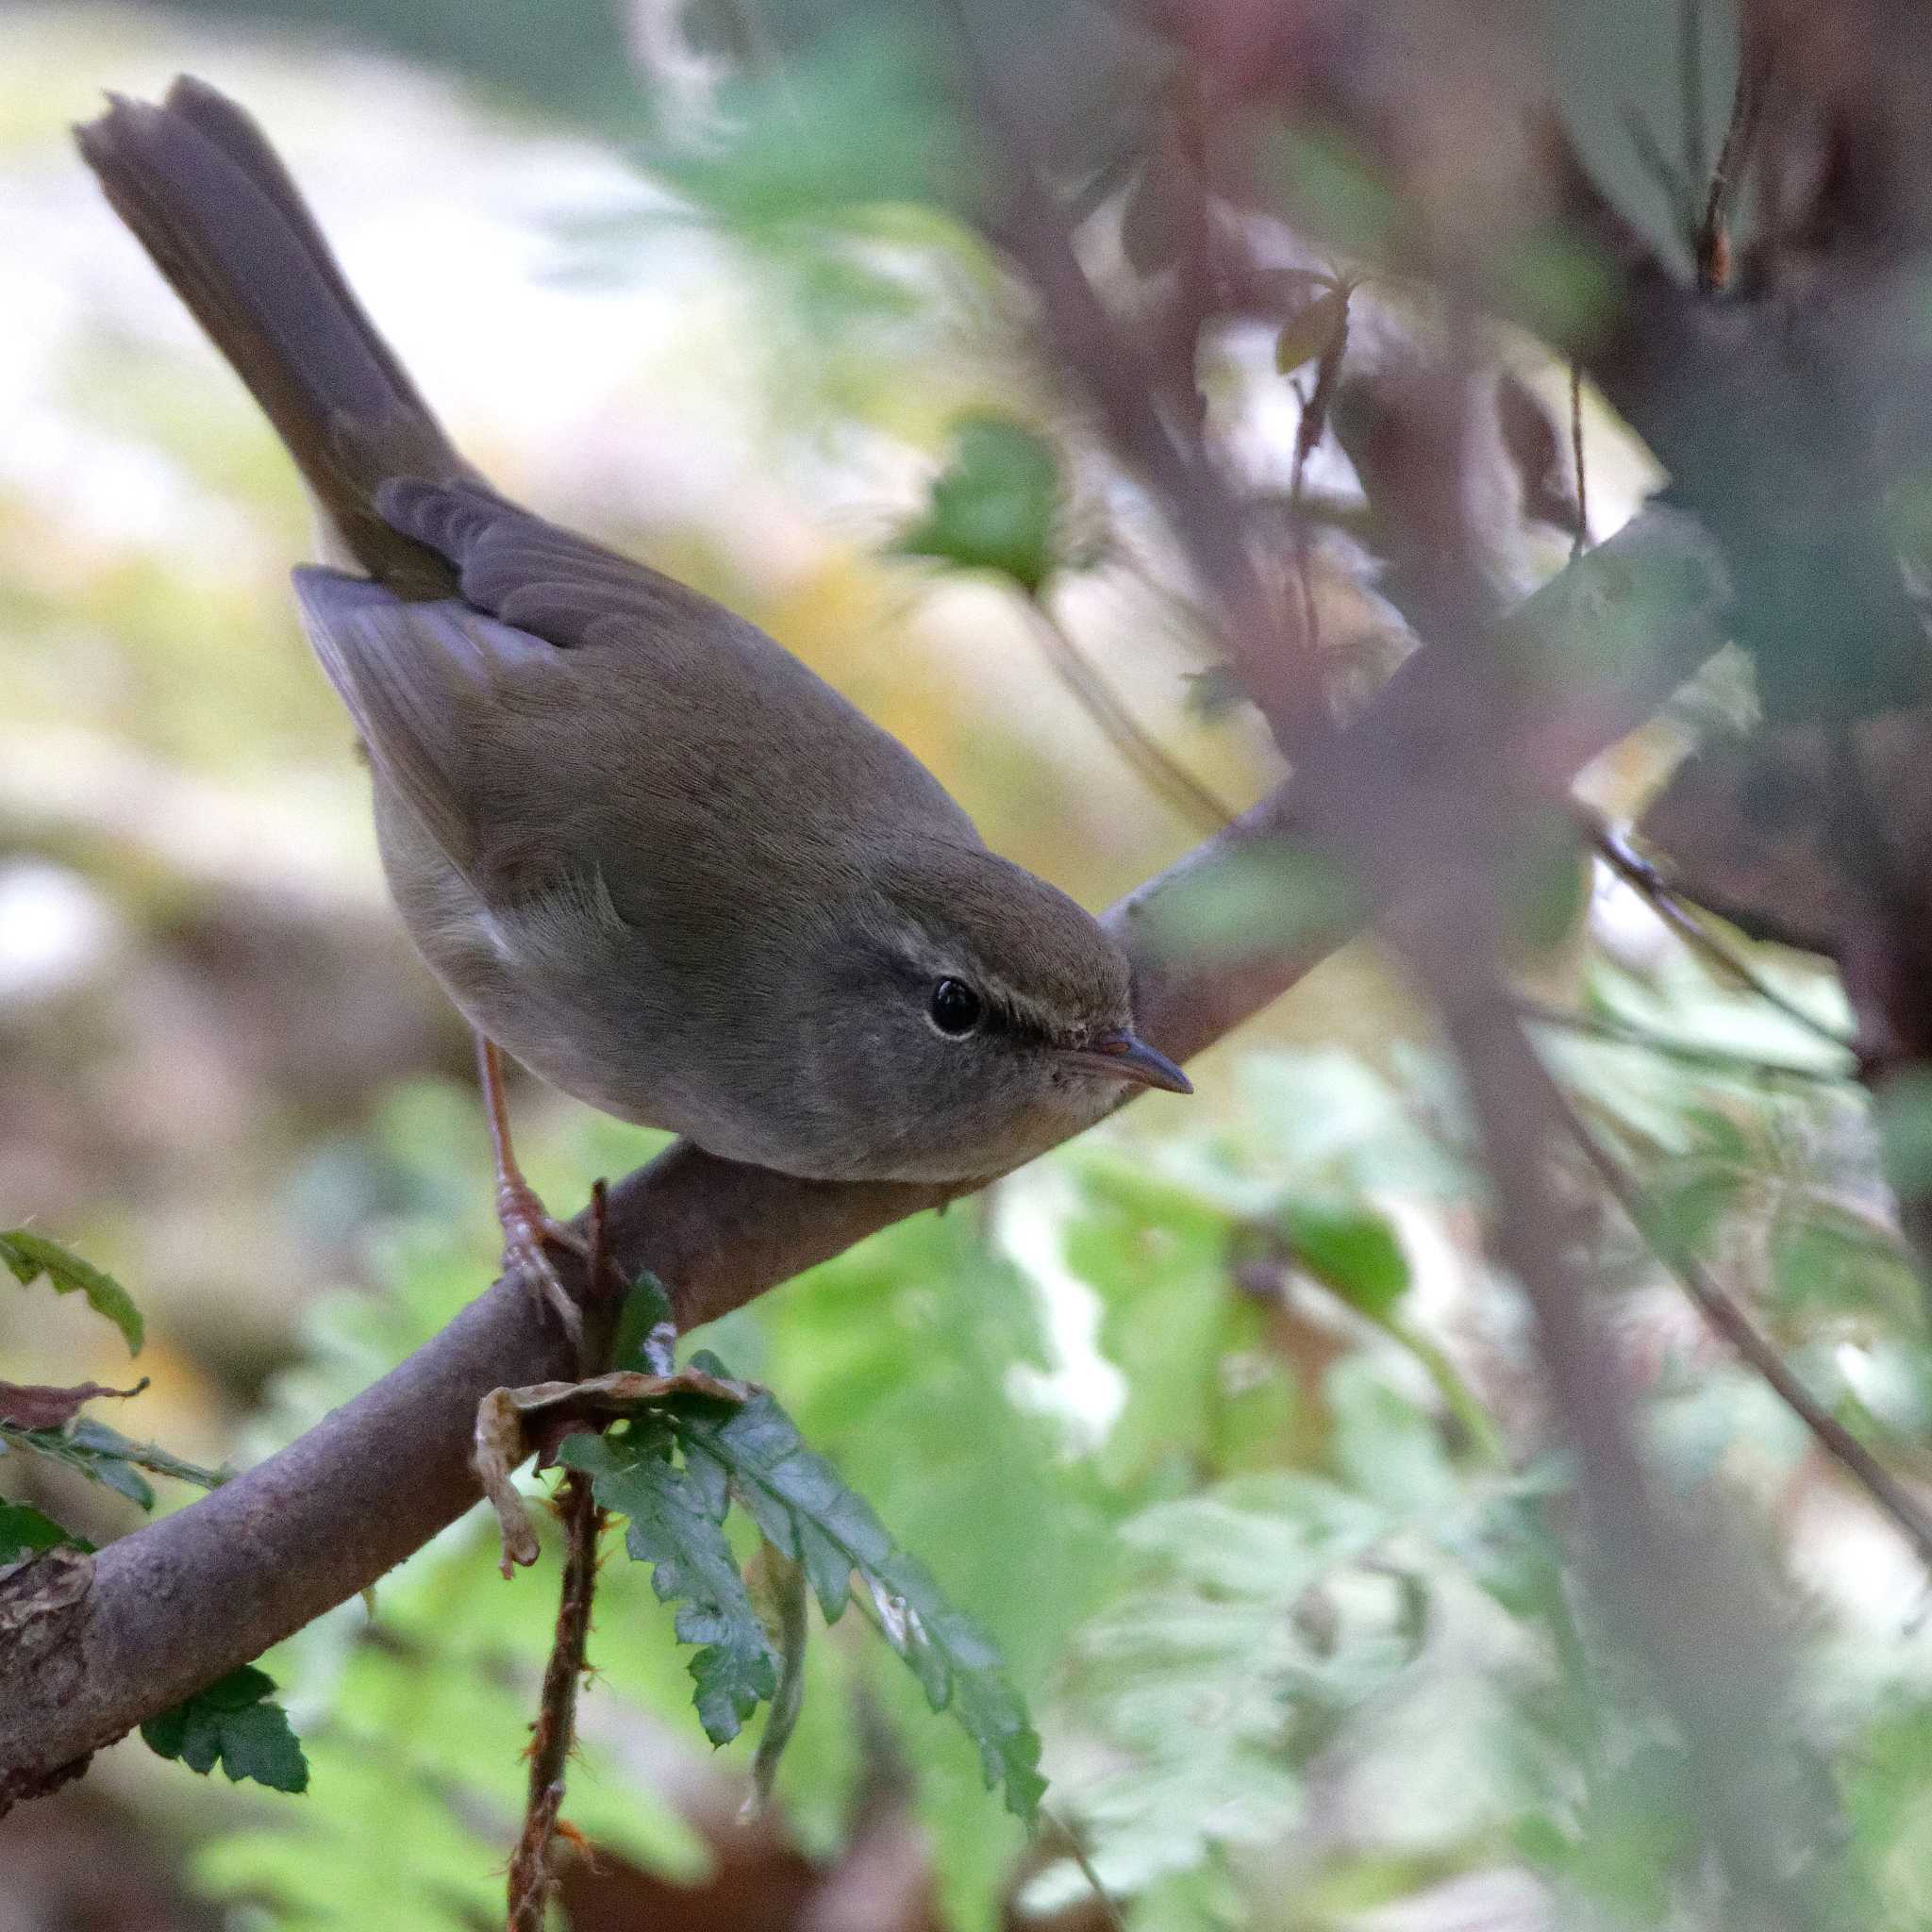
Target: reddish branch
[{"x": 532, "y": 1879}]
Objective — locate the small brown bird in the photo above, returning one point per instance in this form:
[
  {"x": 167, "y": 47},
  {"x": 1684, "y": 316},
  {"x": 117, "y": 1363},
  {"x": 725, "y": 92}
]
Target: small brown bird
[{"x": 644, "y": 849}]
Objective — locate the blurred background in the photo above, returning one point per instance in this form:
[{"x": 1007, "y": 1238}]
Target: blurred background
[{"x": 1262, "y": 1536}]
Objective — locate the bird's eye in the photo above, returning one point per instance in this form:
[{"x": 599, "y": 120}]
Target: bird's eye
[{"x": 955, "y": 1008}]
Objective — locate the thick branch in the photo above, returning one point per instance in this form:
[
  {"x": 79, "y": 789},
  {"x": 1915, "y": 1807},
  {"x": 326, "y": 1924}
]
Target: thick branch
[{"x": 181, "y": 1602}]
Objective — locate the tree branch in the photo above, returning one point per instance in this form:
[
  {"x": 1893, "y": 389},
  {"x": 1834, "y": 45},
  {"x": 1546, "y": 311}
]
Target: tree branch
[{"x": 179, "y": 1602}]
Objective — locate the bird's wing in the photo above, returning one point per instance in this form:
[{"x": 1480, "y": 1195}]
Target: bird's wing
[
  {"x": 572, "y": 706},
  {"x": 541, "y": 578},
  {"x": 416, "y": 678}
]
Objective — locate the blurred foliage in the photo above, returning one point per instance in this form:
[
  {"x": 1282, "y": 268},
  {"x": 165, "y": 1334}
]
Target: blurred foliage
[
  {"x": 994, "y": 504},
  {"x": 1215, "y": 1422},
  {"x": 1268, "y": 1593}
]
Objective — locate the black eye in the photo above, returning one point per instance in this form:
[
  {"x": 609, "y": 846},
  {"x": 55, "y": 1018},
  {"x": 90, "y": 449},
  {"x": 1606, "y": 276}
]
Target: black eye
[{"x": 955, "y": 1008}]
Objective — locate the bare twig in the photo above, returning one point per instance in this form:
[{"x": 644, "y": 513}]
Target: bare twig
[
  {"x": 1307, "y": 436},
  {"x": 1165, "y": 777},
  {"x": 1455, "y": 806},
  {"x": 1077, "y": 1851},
  {"x": 1908, "y": 1515},
  {"x": 531, "y": 1878}
]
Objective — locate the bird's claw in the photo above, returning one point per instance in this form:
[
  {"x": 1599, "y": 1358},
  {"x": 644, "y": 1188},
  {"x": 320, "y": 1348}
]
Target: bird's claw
[{"x": 527, "y": 1230}]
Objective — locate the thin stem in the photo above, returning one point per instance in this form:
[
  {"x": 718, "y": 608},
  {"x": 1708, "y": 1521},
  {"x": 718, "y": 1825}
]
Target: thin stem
[
  {"x": 1209, "y": 519},
  {"x": 1680, "y": 193},
  {"x": 1710, "y": 1652},
  {"x": 1307, "y": 436},
  {"x": 1077, "y": 1852},
  {"x": 1690, "y": 1053},
  {"x": 1713, "y": 233},
  {"x": 1163, "y": 774},
  {"x": 1723, "y": 1313},
  {"x": 1462, "y": 1401},
  {"x": 531, "y": 1880},
  {"x": 1580, "y": 541},
  {"x": 1646, "y": 882}
]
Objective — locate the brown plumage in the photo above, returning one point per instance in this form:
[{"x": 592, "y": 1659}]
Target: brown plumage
[{"x": 645, "y": 849}]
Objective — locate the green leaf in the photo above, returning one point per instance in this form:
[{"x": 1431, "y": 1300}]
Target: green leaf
[
  {"x": 994, "y": 506},
  {"x": 1261, "y": 897},
  {"x": 869, "y": 118},
  {"x": 1826, "y": 1258},
  {"x": 1352, "y": 1250},
  {"x": 675, "y": 1519},
  {"x": 647, "y": 1306},
  {"x": 1337, "y": 190},
  {"x": 23, "y": 1531},
  {"x": 234, "y": 1722},
  {"x": 806, "y": 1510},
  {"x": 108, "y": 1456},
  {"x": 1904, "y": 1130},
  {"x": 1307, "y": 335},
  {"x": 1559, "y": 282},
  {"x": 32, "y": 1257}
]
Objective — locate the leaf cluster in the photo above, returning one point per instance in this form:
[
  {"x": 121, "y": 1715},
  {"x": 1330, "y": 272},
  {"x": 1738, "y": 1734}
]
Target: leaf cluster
[
  {"x": 236, "y": 1723},
  {"x": 672, "y": 1475}
]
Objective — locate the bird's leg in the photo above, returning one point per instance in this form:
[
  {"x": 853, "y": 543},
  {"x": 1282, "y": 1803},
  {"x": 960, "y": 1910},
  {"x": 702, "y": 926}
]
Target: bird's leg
[{"x": 526, "y": 1225}]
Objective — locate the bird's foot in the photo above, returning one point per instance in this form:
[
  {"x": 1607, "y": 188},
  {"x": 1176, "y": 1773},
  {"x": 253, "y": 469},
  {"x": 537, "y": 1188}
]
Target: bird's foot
[{"x": 528, "y": 1230}]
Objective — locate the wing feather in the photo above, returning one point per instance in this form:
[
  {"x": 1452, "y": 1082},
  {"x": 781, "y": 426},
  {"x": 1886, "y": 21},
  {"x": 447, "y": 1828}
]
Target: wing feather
[{"x": 415, "y": 677}]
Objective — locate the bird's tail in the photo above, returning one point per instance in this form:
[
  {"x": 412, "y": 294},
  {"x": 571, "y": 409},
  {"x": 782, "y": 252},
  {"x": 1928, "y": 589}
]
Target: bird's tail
[{"x": 210, "y": 201}]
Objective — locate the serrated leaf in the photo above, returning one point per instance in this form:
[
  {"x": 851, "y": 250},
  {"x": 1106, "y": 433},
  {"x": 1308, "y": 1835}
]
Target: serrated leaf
[
  {"x": 234, "y": 1722},
  {"x": 674, "y": 1522},
  {"x": 1351, "y": 1251},
  {"x": 33, "y": 1257},
  {"x": 995, "y": 505},
  {"x": 23, "y": 1531},
  {"x": 806, "y": 1510},
  {"x": 238, "y": 1690},
  {"x": 259, "y": 1742}
]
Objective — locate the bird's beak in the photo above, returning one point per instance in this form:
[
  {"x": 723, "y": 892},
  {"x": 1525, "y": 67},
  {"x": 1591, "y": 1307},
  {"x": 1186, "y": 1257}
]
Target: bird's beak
[{"x": 1124, "y": 1057}]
